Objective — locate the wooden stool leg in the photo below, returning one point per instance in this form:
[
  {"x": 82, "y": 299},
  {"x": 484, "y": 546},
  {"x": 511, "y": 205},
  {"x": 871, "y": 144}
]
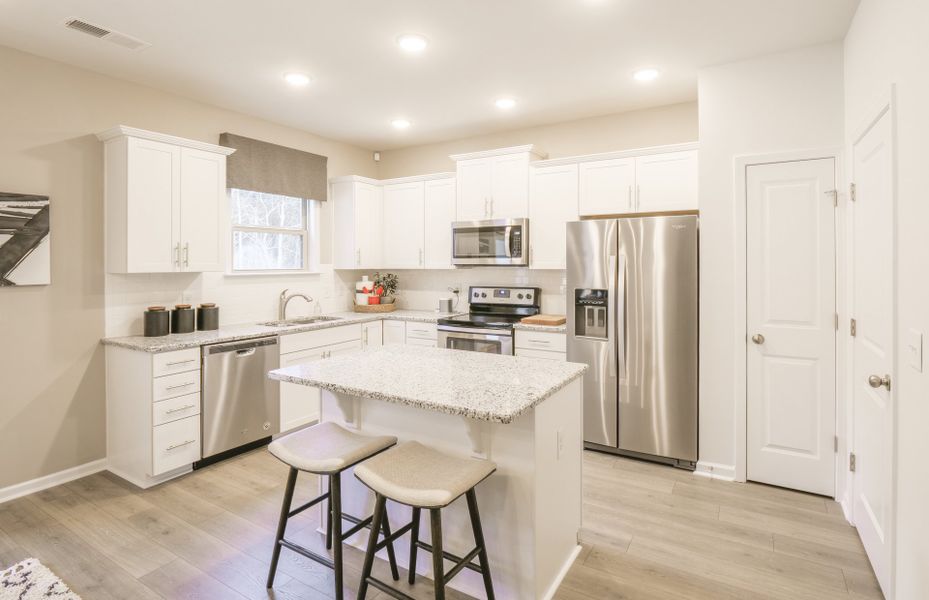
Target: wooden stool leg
[
  {"x": 479, "y": 541},
  {"x": 282, "y": 524},
  {"x": 438, "y": 566},
  {"x": 329, "y": 522},
  {"x": 379, "y": 505},
  {"x": 414, "y": 538},
  {"x": 391, "y": 557},
  {"x": 335, "y": 497}
]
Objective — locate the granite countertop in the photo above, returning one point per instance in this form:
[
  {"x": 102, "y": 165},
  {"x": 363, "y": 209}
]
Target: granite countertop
[
  {"x": 232, "y": 333},
  {"x": 489, "y": 387},
  {"x": 541, "y": 328}
]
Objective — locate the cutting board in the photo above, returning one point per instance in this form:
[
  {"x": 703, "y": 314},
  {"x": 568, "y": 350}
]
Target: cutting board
[{"x": 550, "y": 320}]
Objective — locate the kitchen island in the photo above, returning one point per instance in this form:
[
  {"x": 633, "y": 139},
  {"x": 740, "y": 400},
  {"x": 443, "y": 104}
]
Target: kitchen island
[{"x": 524, "y": 414}]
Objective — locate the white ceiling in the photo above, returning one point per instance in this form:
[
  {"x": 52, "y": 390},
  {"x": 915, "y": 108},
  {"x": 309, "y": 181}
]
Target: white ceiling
[{"x": 561, "y": 59}]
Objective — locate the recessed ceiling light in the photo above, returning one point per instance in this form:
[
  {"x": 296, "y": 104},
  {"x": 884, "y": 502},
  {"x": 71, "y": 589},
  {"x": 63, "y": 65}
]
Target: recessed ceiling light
[
  {"x": 645, "y": 75},
  {"x": 505, "y": 103},
  {"x": 400, "y": 123},
  {"x": 412, "y": 42},
  {"x": 297, "y": 79}
]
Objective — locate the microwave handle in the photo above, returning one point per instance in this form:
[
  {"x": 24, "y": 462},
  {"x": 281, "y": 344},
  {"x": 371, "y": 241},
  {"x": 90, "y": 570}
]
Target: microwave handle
[{"x": 508, "y": 241}]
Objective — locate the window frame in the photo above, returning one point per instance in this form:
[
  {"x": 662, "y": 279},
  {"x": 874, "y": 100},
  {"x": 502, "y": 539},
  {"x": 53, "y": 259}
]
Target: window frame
[{"x": 309, "y": 212}]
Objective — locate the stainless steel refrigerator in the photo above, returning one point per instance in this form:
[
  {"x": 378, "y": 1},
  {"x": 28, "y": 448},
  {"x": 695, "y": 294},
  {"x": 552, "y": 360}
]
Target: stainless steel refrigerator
[{"x": 632, "y": 316}]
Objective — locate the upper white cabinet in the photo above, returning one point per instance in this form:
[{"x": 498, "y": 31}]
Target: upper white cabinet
[
  {"x": 666, "y": 182},
  {"x": 404, "y": 219},
  {"x": 654, "y": 181},
  {"x": 440, "y": 213},
  {"x": 165, "y": 202},
  {"x": 553, "y": 193},
  {"x": 359, "y": 226},
  {"x": 494, "y": 184}
]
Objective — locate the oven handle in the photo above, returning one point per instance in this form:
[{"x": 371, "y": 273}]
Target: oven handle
[{"x": 473, "y": 333}]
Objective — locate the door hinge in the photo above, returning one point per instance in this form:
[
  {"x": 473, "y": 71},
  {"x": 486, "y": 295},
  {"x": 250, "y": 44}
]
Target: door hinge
[
  {"x": 835, "y": 196},
  {"x": 835, "y": 443},
  {"x": 853, "y": 328},
  {"x": 851, "y": 192},
  {"x": 851, "y": 462}
]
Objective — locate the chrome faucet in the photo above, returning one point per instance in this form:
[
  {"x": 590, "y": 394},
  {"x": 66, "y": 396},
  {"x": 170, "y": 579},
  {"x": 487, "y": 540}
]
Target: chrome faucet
[{"x": 284, "y": 300}]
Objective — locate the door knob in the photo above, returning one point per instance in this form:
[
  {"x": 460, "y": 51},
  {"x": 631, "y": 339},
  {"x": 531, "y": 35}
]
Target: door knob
[
  {"x": 877, "y": 381},
  {"x": 758, "y": 339}
]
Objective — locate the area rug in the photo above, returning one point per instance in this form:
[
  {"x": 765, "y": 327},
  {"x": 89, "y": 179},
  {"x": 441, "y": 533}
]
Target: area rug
[{"x": 31, "y": 580}]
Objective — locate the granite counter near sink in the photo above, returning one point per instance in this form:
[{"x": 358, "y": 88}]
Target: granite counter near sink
[{"x": 233, "y": 333}]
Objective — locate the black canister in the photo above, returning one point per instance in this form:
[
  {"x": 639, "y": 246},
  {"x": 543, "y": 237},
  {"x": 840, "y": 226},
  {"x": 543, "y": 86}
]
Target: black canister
[
  {"x": 182, "y": 319},
  {"x": 157, "y": 322},
  {"x": 207, "y": 317}
]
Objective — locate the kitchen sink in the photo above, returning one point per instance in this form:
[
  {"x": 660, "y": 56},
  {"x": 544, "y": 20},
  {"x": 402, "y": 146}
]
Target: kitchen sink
[{"x": 299, "y": 321}]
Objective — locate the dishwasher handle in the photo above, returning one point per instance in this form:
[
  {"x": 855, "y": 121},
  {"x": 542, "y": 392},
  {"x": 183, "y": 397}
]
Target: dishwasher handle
[
  {"x": 244, "y": 352},
  {"x": 241, "y": 348}
]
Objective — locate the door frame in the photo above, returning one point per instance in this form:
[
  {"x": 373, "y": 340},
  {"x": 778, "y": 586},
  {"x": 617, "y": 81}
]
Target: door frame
[
  {"x": 740, "y": 372},
  {"x": 881, "y": 104}
]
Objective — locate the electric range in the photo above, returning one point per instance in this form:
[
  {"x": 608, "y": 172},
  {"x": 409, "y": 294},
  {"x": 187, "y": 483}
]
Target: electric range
[{"x": 488, "y": 326}]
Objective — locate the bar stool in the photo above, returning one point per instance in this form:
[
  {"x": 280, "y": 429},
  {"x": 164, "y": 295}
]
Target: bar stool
[
  {"x": 422, "y": 478},
  {"x": 326, "y": 450}
]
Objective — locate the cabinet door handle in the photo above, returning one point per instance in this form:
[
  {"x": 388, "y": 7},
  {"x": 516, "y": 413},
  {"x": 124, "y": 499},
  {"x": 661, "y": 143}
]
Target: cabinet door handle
[
  {"x": 187, "y": 254},
  {"x": 180, "y": 408},
  {"x": 177, "y": 254},
  {"x": 630, "y": 198},
  {"x": 638, "y": 196},
  {"x": 491, "y": 206},
  {"x": 358, "y": 256},
  {"x": 485, "y": 207},
  {"x": 540, "y": 341},
  {"x": 177, "y": 387},
  {"x": 176, "y": 446},
  {"x": 179, "y": 362},
  {"x": 420, "y": 257}
]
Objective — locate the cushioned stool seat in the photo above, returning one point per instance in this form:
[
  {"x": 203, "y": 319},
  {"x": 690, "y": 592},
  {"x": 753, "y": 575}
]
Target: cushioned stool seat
[
  {"x": 327, "y": 448},
  {"x": 417, "y": 475}
]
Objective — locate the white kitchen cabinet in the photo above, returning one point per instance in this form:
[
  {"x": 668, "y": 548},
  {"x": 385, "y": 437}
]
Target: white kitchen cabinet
[
  {"x": 421, "y": 334},
  {"x": 165, "y": 200},
  {"x": 553, "y": 193},
  {"x": 405, "y": 224},
  {"x": 372, "y": 335},
  {"x": 494, "y": 184},
  {"x": 606, "y": 187},
  {"x": 541, "y": 344},
  {"x": 358, "y": 223},
  {"x": 394, "y": 332},
  {"x": 666, "y": 182},
  {"x": 439, "y": 215}
]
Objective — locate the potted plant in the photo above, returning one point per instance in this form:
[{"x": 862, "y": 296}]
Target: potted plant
[{"x": 385, "y": 286}]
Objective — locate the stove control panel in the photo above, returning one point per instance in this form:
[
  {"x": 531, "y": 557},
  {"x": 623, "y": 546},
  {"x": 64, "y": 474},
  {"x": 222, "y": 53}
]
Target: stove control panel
[{"x": 511, "y": 296}]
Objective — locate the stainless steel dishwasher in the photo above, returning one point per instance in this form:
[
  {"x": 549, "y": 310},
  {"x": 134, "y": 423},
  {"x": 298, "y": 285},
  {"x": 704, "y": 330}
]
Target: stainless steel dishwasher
[{"x": 241, "y": 406}]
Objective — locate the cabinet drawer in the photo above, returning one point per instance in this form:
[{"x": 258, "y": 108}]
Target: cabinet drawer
[
  {"x": 537, "y": 340},
  {"x": 305, "y": 340},
  {"x": 423, "y": 331},
  {"x": 175, "y": 445},
  {"x": 547, "y": 354},
  {"x": 172, "y": 386},
  {"x": 180, "y": 361},
  {"x": 175, "y": 408},
  {"x": 420, "y": 342}
]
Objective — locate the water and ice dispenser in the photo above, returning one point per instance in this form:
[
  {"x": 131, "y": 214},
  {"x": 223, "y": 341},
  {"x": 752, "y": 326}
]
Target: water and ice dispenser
[{"x": 591, "y": 314}]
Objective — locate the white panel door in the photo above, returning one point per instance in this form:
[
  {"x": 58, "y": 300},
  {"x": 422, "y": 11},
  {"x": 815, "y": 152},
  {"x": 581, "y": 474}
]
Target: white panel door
[
  {"x": 509, "y": 197},
  {"x": 606, "y": 186},
  {"x": 666, "y": 182},
  {"x": 153, "y": 204},
  {"x": 372, "y": 335},
  {"x": 299, "y": 403},
  {"x": 394, "y": 332},
  {"x": 368, "y": 226},
  {"x": 473, "y": 197},
  {"x": 873, "y": 349},
  {"x": 404, "y": 222},
  {"x": 440, "y": 213},
  {"x": 203, "y": 202},
  {"x": 790, "y": 315},
  {"x": 552, "y": 203}
]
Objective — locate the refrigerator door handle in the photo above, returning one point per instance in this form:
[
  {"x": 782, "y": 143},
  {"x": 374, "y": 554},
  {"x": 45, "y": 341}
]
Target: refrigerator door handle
[
  {"x": 611, "y": 283},
  {"x": 620, "y": 323}
]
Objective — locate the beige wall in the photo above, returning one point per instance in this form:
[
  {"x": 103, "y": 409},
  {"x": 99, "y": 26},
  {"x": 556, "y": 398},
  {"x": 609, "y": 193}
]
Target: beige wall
[
  {"x": 51, "y": 362},
  {"x": 672, "y": 124}
]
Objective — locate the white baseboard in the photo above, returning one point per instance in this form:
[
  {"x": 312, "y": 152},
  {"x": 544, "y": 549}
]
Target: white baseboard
[
  {"x": 38, "y": 484},
  {"x": 556, "y": 583},
  {"x": 715, "y": 471}
]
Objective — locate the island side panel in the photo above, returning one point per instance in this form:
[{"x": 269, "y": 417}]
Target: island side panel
[
  {"x": 558, "y": 495},
  {"x": 506, "y": 498}
]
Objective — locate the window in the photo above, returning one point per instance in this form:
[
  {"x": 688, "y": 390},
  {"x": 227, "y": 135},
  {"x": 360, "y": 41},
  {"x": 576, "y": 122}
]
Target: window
[{"x": 270, "y": 232}]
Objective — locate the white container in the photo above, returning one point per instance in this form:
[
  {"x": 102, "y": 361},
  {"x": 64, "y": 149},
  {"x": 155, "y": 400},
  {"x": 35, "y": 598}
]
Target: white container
[{"x": 364, "y": 283}]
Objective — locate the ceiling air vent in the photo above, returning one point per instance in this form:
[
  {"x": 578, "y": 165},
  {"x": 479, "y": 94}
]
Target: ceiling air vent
[{"x": 115, "y": 37}]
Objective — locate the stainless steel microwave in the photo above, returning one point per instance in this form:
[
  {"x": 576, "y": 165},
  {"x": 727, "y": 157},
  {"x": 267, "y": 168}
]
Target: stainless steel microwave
[{"x": 500, "y": 242}]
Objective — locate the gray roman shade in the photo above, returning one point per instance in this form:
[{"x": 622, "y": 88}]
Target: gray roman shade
[{"x": 263, "y": 167}]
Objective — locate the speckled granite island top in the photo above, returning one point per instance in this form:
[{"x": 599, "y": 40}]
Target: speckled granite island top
[
  {"x": 234, "y": 333},
  {"x": 490, "y": 387}
]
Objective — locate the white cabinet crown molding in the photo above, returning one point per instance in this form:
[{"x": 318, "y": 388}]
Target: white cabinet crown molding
[
  {"x": 530, "y": 148},
  {"x": 123, "y": 130},
  {"x": 382, "y": 182},
  {"x": 631, "y": 153}
]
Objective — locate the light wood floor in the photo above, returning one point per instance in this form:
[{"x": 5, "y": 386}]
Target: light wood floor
[{"x": 650, "y": 532}]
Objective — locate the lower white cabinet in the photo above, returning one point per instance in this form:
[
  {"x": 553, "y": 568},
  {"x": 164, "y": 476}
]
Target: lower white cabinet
[
  {"x": 394, "y": 332},
  {"x": 541, "y": 344},
  {"x": 372, "y": 335},
  {"x": 153, "y": 413},
  {"x": 412, "y": 333},
  {"x": 300, "y": 403}
]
